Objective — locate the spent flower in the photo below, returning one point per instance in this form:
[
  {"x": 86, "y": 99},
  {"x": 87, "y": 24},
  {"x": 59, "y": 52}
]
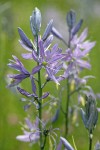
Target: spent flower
[{"x": 32, "y": 133}]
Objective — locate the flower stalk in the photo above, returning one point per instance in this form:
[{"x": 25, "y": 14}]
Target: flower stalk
[
  {"x": 40, "y": 95},
  {"x": 90, "y": 140},
  {"x": 68, "y": 96},
  {"x": 67, "y": 109}
]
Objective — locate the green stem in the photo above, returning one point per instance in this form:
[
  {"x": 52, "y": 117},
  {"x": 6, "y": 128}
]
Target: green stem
[
  {"x": 39, "y": 95},
  {"x": 90, "y": 140},
  {"x": 44, "y": 142},
  {"x": 67, "y": 108},
  {"x": 40, "y": 107},
  {"x": 68, "y": 96}
]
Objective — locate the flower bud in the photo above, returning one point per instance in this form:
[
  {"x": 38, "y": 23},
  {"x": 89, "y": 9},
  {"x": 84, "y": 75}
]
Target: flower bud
[
  {"x": 35, "y": 21},
  {"x": 90, "y": 115},
  {"x": 71, "y": 19}
]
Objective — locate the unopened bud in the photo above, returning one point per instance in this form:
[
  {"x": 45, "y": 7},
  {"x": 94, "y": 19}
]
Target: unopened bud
[
  {"x": 35, "y": 21},
  {"x": 71, "y": 19}
]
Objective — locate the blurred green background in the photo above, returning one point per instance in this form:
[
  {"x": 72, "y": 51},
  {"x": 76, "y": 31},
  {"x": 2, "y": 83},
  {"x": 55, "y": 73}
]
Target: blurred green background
[{"x": 16, "y": 13}]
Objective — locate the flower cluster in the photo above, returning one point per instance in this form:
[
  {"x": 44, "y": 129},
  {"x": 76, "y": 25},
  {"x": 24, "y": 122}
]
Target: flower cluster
[{"x": 58, "y": 65}]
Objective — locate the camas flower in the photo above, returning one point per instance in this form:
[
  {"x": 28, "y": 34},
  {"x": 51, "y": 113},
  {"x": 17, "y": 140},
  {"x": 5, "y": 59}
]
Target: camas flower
[
  {"x": 77, "y": 53},
  {"x": 17, "y": 65},
  {"x": 50, "y": 59},
  {"x": 32, "y": 135}
]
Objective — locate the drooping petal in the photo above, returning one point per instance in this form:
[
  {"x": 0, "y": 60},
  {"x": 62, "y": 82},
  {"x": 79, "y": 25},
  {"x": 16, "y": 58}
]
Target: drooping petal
[
  {"x": 25, "y": 93},
  {"x": 66, "y": 144}
]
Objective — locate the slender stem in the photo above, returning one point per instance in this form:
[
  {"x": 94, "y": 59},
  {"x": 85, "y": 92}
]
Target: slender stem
[
  {"x": 39, "y": 95},
  {"x": 90, "y": 140},
  {"x": 44, "y": 142},
  {"x": 40, "y": 108},
  {"x": 68, "y": 96},
  {"x": 67, "y": 109}
]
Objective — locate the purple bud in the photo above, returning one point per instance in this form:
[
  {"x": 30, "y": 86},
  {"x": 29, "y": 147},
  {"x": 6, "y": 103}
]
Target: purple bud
[
  {"x": 71, "y": 19},
  {"x": 35, "y": 21},
  {"x": 77, "y": 27},
  {"x": 45, "y": 95},
  {"x": 47, "y": 30},
  {"x": 25, "y": 93},
  {"x": 25, "y": 39}
]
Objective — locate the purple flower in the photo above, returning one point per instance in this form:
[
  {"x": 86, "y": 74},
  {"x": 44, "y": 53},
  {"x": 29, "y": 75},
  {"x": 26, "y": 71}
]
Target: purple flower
[
  {"x": 25, "y": 42},
  {"x": 32, "y": 135},
  {"x": 77, "y": 53},
  {"x": 50, "y": 59},
  {"x": 17, "y": 65}
]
